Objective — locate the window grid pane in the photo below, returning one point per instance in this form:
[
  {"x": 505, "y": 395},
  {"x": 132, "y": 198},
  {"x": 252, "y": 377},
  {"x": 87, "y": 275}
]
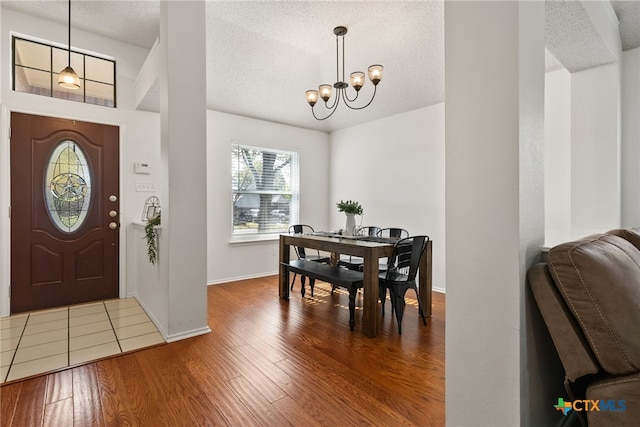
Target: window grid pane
[
  {"x": 264, "y": 190},
  {"x": 32, "y": 55},
  {"x": 33, "y": 81},
  {"x": 36, "y": 67},
  {"x": 99, "y": 70}
]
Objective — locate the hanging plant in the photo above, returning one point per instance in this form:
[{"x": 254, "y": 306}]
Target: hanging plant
[{"x": 151, "y": 234}]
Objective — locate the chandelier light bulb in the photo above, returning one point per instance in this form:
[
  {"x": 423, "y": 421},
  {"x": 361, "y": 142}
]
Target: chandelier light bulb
[
  {"x": 375, "y": 73},
  {"x": 357, "y": 80},
  {"x": 312, "y": 97},
  {"x": 325, "y": 92}
]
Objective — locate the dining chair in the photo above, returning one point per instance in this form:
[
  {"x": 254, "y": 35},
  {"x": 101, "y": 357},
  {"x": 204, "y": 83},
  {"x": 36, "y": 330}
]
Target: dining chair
[
  {"x": 354, "y": 262},
  {"x": 401, "y": 273},
  {"x": 302, "y": 253},
  {"x": 391, "y": 232}
]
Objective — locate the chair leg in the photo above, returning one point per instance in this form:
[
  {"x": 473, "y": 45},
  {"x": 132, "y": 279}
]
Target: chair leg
[
  {"x": 303, "y": 279},
  {"x": 352, "y": 306},
  {"x": 294, "y": 280},
  {"x": 312, "y": 284},
  {"x": 382, "y": 292},
  {"x": 397, "y": 299}
]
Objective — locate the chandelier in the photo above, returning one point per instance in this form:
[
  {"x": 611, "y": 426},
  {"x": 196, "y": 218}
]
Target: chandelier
[{"x": 325, "y": 91}]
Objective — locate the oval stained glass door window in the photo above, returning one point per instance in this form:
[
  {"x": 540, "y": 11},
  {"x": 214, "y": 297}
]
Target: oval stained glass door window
[{"x": 68, "y": 186}]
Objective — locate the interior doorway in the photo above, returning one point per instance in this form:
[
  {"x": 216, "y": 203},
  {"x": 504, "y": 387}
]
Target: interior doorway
[{"x": 65, "y": 212}]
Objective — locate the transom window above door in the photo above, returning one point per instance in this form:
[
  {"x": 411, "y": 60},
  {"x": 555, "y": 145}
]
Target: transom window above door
[{"x": 36, "y": 66}]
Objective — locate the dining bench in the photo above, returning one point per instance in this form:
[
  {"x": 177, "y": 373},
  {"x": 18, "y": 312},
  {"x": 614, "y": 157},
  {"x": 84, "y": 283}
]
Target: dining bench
[{"x": 337, "y": 276}]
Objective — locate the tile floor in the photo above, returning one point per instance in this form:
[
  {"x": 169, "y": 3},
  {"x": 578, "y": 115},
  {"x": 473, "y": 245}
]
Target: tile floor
[{"x": 47, "y": 340}]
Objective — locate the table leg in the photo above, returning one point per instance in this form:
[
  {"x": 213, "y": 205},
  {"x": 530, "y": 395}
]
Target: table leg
[
  {"x": 283, "y": 280},
  {"x": 370, "y": 294},
  {"x": 334, "y": 258},
  {"x": 424, "y": 279}
]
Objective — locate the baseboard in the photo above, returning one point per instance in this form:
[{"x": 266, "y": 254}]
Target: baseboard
[
  {"x": 239, "y": 278},
  {"x": 188, "y": 334}
]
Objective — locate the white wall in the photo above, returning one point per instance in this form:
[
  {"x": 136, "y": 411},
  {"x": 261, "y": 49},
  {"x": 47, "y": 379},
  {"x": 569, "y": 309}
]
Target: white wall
[
  {"x": 557, "y": 157},
  {"x": 591, "y": 173},
  {"x": 233, "y": 261},
  {"x": 595, "y": 150},
  {"x": 631, "y": 138},
  {"x": 395, "y": 168}
]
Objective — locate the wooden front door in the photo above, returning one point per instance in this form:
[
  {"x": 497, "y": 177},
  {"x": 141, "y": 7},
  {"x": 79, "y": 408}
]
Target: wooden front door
[{"x": 65, "y": 210}]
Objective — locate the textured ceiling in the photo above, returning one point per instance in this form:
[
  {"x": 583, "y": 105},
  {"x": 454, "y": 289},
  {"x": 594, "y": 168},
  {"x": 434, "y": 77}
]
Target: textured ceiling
[{"x": 263, "y": 55}]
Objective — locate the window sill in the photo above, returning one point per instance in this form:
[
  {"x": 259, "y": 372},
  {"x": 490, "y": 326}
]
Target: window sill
[{"x": 253, "y": 240}]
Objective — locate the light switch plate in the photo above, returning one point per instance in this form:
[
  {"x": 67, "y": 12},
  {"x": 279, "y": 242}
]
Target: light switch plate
[{"x": 145, "y": 187}]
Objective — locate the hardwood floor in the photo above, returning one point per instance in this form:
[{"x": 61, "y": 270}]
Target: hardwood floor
[{"x": 267, "y": 362}]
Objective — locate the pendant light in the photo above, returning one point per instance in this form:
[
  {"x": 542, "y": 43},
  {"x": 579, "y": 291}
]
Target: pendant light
[{"x": 68, "y": 78}]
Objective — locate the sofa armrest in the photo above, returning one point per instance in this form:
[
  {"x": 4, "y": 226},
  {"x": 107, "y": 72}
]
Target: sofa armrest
[{"x": 571, "y": 345}]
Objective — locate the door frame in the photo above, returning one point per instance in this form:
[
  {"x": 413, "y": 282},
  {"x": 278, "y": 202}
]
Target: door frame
[{"x": 5, "y": 202}]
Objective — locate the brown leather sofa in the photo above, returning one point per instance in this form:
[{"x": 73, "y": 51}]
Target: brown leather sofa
[{"x": 588, "y": 292}]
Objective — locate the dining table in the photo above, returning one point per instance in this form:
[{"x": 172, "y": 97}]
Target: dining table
[{"x": 370, "y": 250}]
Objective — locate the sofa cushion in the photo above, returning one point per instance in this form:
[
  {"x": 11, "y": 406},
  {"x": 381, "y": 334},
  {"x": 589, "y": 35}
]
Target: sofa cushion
[
  {"x": 620, "y": 396},
  {"x": 599, "y": 279}
]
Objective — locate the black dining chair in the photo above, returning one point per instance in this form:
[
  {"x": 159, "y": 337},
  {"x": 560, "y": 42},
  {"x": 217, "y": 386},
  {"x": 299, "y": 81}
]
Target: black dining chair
[
  {"x": 302, "y": 253},
  {"x": 393, "y": 233},
  {"x": 401, "y": 273},
  {"x": 354, "y": 262}
]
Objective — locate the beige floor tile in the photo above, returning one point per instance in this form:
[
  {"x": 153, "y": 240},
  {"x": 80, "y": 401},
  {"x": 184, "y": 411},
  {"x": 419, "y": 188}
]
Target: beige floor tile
[
  {"x": 85, "y": 310},
  {"x": 84, "y": 341},
  {"x": 37, "y": 366},
  {"x": 135, "y": 330},
  {"x": 4, "y": 370},
  {"x": 37, "y": 328},
  {"x": 95, "y": 352},
  {"x": 11, "y": 333},
  {"x": 89, "y": 328},
  {"x": 125, "y": 311},
  {"x": 48, "y": 315},
  {"x": 119, "y": 322},
  {"x": 117, "y": 304},
  {"x": 89, "y": 318},
  {"x": 6, "y": 357},
  {"x": 44, "y": 337},
  {"x": 17, "y": 321},
  {"x": 141, "y": 341},
  {"x": 41, "y": 351},
  {"x": 9, "y": 343},
  {"x": 51, "y": 339}
]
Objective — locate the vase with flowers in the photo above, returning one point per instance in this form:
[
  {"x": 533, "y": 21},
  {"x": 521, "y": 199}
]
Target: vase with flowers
[{"x": 350, "y": 208}]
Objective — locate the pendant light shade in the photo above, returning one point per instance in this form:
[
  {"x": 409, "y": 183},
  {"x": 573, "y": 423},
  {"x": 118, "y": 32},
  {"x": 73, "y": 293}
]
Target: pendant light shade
[{"x": 68, "y": 78}]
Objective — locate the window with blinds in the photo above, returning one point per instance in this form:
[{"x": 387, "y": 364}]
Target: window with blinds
[
  {"x": 264, "y": 186},
  {"x": 36, "y": 66}
]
